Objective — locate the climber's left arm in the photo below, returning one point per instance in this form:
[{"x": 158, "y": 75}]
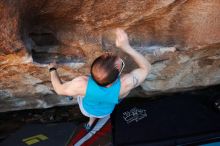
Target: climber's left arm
[{"x": 76, "y": 87}]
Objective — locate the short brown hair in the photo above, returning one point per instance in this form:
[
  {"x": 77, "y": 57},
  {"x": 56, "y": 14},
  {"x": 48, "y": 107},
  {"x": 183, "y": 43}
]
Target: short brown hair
[{"x": 104, "y": 70}]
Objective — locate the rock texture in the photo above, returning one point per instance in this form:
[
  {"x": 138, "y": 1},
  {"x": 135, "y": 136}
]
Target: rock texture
[{"x": 33, "y": 33}]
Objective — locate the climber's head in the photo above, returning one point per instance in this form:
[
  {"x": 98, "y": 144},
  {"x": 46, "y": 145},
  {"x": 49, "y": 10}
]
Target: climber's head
[{"x": 106, "y": 69}]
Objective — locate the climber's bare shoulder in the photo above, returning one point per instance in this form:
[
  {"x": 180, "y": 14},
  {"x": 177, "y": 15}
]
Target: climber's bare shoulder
[
  {"x": 75, "y": 87},
  {"x": 128, "y": 82}
]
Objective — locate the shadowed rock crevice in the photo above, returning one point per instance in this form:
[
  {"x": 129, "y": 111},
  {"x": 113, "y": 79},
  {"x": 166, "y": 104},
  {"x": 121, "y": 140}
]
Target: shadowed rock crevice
[
  {"x": 43, "y": 39},
  {"x": 39, "y": 30}
]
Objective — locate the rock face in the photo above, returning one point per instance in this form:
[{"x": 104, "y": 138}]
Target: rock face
[{"x": 33, "y": 33}]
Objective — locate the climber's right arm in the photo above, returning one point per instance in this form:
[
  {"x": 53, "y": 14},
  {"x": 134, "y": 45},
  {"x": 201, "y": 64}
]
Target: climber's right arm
[{"x": 137, "y": 76}]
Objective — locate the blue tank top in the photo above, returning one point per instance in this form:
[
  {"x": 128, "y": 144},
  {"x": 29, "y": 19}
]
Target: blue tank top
[{"x": 100, "y": 101}]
